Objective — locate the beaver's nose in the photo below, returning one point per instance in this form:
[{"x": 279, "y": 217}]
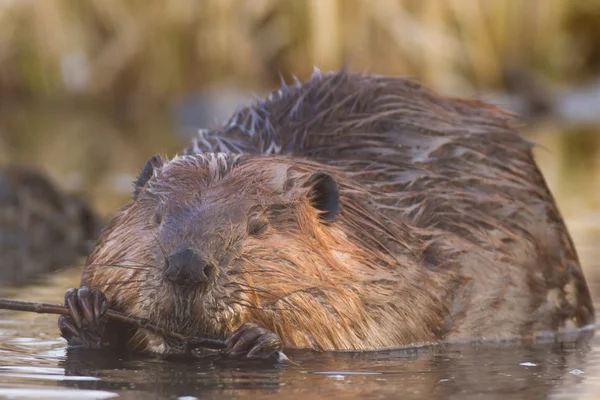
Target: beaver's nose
[{"x": 186, "y": 268}]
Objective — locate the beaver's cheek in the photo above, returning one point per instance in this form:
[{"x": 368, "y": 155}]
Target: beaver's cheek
[
  {"x": 225, "y": 263},
  {"x": 165, "y": 303}
]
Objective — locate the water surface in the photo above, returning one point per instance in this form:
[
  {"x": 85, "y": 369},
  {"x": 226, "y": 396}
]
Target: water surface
[{"x": 35, "y": 363}]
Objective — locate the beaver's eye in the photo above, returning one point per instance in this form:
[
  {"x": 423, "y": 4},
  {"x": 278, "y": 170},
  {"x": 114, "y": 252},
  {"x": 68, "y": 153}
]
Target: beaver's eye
[
  {"x": 257, "y": 226},
  {"x": 157, "y": 219}
]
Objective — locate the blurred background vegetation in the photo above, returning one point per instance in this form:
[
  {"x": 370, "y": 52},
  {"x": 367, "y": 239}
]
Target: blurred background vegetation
[
  {"x": 90, "y": 88},
  {"x": 134, "y": 50}
]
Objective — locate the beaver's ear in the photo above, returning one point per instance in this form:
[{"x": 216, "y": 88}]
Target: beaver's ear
[
  {"x": 153, "y": 163},
  {"x": 324, "y": 195}
]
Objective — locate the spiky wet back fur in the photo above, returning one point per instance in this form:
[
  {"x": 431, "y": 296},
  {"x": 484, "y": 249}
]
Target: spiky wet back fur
[{"x": 447, "y": 231}]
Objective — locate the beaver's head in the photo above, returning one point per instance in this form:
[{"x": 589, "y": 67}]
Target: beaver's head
[{"x": 212, "y": 240}]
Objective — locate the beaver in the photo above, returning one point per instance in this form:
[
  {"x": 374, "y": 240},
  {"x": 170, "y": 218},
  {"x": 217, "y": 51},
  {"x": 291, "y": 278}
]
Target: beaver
[
  {"x": 42, "y": 228},
  {"x": 348, "y": 212}
]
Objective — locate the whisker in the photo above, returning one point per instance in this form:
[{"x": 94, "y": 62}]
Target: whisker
[
  {"x": 255, "y": 268},
  {"x": 255, "y": 289},
  {"x": 159, "y": 245},
  {"x": 271, "y": 306},
  {"x": 251, "y": 306},
  {"x": 304, "y": 290},
  {"x": 120, "y": 282},
  {"x": 130, "y": 288},
  {"x": 246, "y": 271},
  {"x": 271, "y": 272},
  {"x": 140, "y": 263},
  {"x": 132, "y": 267}
]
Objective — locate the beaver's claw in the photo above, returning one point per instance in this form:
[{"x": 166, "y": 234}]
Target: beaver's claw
[
  {"x": 85, "y": 326},
  {"x": 253, "y": 341}
]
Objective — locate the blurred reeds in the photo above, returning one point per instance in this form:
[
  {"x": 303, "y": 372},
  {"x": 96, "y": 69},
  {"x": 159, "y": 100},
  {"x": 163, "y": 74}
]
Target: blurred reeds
[
  {"x": 132, "y": 55},
  {"x": 156, "y": 50}
]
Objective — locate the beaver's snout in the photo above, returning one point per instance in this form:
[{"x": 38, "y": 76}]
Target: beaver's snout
[{"x": 186, "y": 268}]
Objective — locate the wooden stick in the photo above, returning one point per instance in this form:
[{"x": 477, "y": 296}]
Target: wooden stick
[{"x": 46, "y": 308}]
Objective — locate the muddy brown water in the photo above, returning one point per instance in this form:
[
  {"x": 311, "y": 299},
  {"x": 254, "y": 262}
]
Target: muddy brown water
[{"x": 35, "y": 363}]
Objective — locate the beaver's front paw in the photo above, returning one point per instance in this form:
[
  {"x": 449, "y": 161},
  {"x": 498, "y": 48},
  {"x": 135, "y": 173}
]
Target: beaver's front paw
[
  {"x": 253, "y": 341},
  {"x": 85, "y": 326}
]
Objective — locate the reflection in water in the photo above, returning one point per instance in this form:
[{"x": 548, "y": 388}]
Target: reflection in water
[
  {"x": 34, "y": 362},
  {"x": 424, "y": 373},
  {"x": 497, "y": 371}
]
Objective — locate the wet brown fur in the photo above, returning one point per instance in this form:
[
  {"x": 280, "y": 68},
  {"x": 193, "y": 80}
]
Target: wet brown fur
[{"x": 447, "y": 231}]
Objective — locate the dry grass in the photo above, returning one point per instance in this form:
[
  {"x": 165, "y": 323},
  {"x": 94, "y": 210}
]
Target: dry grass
[{"x": 110, "y": 49}]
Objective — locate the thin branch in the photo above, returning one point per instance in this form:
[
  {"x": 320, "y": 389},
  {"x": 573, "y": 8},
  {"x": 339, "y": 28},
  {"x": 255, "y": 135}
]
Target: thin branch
[{"x": 46, "y": 308}]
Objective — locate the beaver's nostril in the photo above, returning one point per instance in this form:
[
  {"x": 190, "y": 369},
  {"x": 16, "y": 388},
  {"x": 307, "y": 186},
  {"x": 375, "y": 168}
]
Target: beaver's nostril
[
  {"x": 186, "y": 268},
  {"x": 208, "y": 272}
]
